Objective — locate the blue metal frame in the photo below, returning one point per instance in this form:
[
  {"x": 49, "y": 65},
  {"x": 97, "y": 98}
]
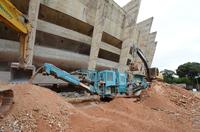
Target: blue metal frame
[
  {"x": 113, "y": 81},
  {"x": 63, "y": 75}
]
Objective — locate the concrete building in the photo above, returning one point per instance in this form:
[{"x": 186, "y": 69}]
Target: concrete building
[{"x": 74, "y": 34}]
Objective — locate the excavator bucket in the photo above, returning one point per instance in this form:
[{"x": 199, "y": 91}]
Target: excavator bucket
[
  {"x": 6, "y": 101},
  {"x": 19, "y": 74}
]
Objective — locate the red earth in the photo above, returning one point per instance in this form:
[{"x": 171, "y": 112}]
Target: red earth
[{"x": 162, "y": 107}]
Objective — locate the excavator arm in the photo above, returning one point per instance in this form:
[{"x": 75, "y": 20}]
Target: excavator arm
[
  {"x": 144, "y": 60},
  {"x": 17, "y": 21},
  {"x": 12, "y": 17},
  {"x": 151, "y": 72}
]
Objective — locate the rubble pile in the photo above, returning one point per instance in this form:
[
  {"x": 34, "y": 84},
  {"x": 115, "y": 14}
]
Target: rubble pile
[{"x": 162, "y": 107}]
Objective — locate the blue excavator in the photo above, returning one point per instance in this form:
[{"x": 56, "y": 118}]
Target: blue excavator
[{"x": 105, "y": 83}]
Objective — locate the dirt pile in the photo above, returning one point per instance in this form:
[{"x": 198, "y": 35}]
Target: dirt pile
[
  {"x": 36, "y": 109},
  {"x": 174, "y": 99},
  {"x": 154, "y": 112},
  {"x": 162, "y": 107}
]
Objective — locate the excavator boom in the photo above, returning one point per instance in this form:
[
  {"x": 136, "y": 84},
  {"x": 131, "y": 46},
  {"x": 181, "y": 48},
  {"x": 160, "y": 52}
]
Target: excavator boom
[
  {"x": 144, "y": 60},
  {"x": 12, "y": 17},
  {"x": 17, "y": 21}
]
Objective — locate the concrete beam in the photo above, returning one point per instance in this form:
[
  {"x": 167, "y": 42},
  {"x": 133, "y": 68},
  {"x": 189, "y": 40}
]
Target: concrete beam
[
  {"x": 33, "y": 11},
  {"x": 63, "y": 32},
  {"x": 151, "y": 47},
  {"x": 110, "y": 48},
  {"x": 106, "y": 63},
  {"x": 130, "y": 33},
  {"x": 132, "y": 10},
  {"x": 114, "y": 20},
  {"x": 58, "y": 57},
  {"x": 76, "y": 8},
  {"x": 43, "y": 54},
  {"x": 152, "y": 53},
  {"x": 130, "y": 57},
  {"x": 97, "y": 33},
  {"x": 73, "y": 35},
  {"x": 153, "y": 36},
  {"x": 144, "y": 28},
  {"x": 130, "y": 41}
]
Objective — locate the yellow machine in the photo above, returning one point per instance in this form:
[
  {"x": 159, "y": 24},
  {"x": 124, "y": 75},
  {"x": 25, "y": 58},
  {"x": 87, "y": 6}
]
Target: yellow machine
[
  {"x": 22, "y": 71},
  {"x": 17, "y": 21}
]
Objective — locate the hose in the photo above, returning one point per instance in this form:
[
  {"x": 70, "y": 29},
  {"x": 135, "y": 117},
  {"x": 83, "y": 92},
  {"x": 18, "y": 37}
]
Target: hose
[{"x": 35, "y": 74}]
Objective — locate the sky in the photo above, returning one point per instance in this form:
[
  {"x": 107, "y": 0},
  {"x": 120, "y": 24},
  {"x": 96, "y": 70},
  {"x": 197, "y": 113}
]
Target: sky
[{"x": 177, "y": 23}]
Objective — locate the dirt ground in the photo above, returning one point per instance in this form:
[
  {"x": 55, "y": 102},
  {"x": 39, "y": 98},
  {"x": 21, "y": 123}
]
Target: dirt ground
[{"x": 162, "y": 107}]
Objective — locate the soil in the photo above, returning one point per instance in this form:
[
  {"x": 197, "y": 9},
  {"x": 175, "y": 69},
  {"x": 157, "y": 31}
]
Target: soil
[{"x": 162, "y": 107}]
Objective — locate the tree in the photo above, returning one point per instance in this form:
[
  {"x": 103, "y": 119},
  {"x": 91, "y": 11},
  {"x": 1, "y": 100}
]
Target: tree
[
  {"x": 188, "y": 72},
  {"x": 190, "y": 69},
  {"x": 168, "y": 75}
]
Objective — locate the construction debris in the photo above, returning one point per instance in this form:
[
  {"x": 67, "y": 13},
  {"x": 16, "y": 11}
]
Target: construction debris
[{"x": 162, "y": 107}]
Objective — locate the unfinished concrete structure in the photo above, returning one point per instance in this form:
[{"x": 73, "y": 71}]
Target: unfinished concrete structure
[{"x": 74, "y": 34}]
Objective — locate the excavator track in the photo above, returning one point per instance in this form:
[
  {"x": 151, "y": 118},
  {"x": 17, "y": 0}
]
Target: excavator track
[{"x": 6, "y": 101}]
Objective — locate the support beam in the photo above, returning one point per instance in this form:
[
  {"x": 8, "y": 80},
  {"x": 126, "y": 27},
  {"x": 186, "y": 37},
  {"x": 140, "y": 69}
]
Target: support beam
[
  {"x": 97, "y": 33},
  {"x": 130, "y": 34},
  {"x": 106, "y": 64},
  {"x": 153, "y": 50},
  {"x": 58, "y": 57},
  {"x": 75, "y": 8},
  {"x": 144, "y": 27},
  {"x": 70, "y": 34},
  {"x": 131, "y": 41},
  {"x": 42, "y": 54},
  {"x": 151, "y": 47},
  {"x": 110, "y": 48},
  {"x": 63, "y": 32},
  {"x": 132, "y": 10},
  {"x": 33, "y": 17}
]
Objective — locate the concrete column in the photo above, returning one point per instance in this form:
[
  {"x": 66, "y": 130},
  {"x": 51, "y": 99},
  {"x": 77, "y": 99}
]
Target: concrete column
[
  {"x": 97, "y": 33},
  {"x": 33, "y": 11},
  {"x": 144, "y": 28},
  {"x": 130, "y": 41},
  {"x": 130, "y": 33}
]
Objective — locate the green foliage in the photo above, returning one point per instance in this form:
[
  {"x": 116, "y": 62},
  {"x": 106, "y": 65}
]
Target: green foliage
[
  {"x": 188, "y": 70},
  {"x": 178, "y": 80},
  {"x": 183, "y": 80},
  {"x": 168, "y": 75},
  {"x": 186, "y": 73},
  {"x": 168, "y": 80}
]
